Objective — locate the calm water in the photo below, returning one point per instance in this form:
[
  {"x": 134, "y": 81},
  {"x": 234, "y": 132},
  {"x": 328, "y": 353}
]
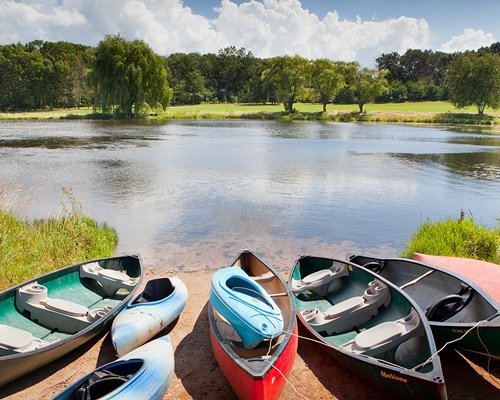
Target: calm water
[{"x": 237, "y": 182}]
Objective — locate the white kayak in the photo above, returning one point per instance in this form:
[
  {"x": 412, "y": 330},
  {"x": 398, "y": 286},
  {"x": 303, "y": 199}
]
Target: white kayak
[
  {"x": 160, "y": 303},
  {"x": 143, "y": 374}
]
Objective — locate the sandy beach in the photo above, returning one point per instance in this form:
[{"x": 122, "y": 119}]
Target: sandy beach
[{"x": 197, "y": 376}]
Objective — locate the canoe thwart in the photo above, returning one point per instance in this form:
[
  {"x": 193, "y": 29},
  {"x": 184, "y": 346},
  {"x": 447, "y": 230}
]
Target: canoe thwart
[
  {"x": 62, "y": 315},
  {"x": 15, "y": 340},
  {"x": 385, "y": 336},
  {"x": 111, "y": 280},
  {"x": 320, "y": 283},
  {"x": 351, "y": 312}
]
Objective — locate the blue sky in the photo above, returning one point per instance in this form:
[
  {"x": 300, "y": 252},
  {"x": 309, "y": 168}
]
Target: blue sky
[{"x": 358, "y": 30}]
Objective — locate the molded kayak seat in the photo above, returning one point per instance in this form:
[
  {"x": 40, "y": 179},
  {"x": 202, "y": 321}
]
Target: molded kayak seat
[
  {"x": 354, "y": 311},
  {"x": 385, "y": 336},
  {"x": 15, "y": 340},
  {"x": 321, "y": 282},
  {"x": 59, "y": 314},
  {"x": 111, "y": 280},
  {"x": 246, "y": 305}
]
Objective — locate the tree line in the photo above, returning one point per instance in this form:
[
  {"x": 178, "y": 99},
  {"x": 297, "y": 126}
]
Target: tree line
[{"x": 129, "y": 79}]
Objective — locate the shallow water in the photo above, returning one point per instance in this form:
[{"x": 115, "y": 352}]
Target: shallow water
[{"x": 195, "y": 187}]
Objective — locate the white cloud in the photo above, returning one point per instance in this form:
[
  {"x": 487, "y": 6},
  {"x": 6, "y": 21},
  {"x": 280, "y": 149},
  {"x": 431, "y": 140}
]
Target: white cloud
[
  {"x": 471, "y": 40},
  {"x": 266, "y": 27}
]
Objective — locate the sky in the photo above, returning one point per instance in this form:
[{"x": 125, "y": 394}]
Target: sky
[{"x": 349, "y": 30}]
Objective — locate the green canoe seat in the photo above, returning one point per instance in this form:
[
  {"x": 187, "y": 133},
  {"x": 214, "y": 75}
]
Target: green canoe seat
[
  {"x": 56, "y": 314},
  {"x": 321, "y": 282},
  {"x": 385, "y": 336},
  {"x": 111, "y": 280},
  {"x": 351, "y": 312},
  {"x": 15, "y": 340}
]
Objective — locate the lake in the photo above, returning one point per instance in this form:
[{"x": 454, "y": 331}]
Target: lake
[{"x": 181, "y": 192}]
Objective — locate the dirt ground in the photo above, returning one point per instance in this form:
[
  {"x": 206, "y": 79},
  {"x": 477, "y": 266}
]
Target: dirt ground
[{"x": 197, "y": 376}]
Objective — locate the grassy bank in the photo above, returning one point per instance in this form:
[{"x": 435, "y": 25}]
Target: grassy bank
[
  {"x": 461, "y": 237},
  {"x": 419, "y": 112},
  {"x": 32, "y": 248}
]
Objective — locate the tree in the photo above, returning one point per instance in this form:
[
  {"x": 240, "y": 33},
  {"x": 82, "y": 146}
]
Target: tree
[
  {"x": 129, "y": 75},
  {"x": 474, "y": 79},
  {"x": 368, "y": 85},
  {"x": 327, "y": 80},
  {"x": 288, "y": 75}
]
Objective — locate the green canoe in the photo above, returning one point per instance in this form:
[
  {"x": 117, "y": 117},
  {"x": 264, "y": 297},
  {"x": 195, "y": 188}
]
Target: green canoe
[
  {"x": 458, "y": 310},
  {"x": 369, "y": 325},
  {"x": 44, "y": 318}
]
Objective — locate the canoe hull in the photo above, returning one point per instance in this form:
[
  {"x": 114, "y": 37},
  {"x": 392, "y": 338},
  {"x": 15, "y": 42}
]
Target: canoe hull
[
  {"x": 16, "y": 365},
  {"x": 249, "y": 387},
  {"x": 150, "y": 382},
  {"x": 138, "y": 323}
]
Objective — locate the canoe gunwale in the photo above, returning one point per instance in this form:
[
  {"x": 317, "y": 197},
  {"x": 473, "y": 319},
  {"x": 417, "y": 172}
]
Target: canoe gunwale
[{"x": 91, "y": 330}]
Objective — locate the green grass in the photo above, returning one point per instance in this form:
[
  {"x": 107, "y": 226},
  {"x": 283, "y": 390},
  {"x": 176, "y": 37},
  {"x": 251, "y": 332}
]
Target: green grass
[
  {"x": 32, "y": 248},
  {"x": 461, "y": 237}
]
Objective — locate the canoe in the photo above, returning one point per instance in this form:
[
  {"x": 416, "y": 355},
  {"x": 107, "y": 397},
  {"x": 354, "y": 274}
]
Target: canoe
[
  {"x": 368, "y": 325},
  {"x": 257, "y": 372},
  {"x": 484, "y": 274},
  {"x": 453, "y": 304},
  {"x": 44, "y": 318},
  {"x": 160, "y": 303},
  {"x": 143, "y": 374}
]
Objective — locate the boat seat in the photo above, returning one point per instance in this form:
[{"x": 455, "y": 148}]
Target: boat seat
[
  {"x": 15, "y": 340},
  {"x": 354, "y": 311},
  {"x": 321, "y": 282},
  {"x": 110, "y": 280},
  {"x": 385, "y": 336},
  {"x": 57, "y": 314}
]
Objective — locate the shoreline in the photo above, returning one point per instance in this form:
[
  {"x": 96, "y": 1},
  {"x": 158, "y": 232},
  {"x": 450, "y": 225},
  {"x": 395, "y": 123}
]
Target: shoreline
[{"x": 197, "y": 375}]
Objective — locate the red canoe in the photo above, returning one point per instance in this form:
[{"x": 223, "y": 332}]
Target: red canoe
[
  {"x": 258, "y": 373},
  {"x": 486, "y": 275}
]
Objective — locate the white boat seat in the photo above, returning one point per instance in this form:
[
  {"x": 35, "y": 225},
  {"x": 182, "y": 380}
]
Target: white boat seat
[
  {"x": 15, "y": 340},
  {"x": 385, "y": 336},
  {"x": 58, "y": 314},
  {"x": 111, "y": 280},
  {"x": 66, "y": 307},
  {"x": 321, "y": 282},
  {"x": 351, "y": 312}
]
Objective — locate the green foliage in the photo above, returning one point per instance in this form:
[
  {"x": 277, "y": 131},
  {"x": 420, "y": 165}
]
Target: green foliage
[
  {"x": 461, "y": 237},
  {"x": 288, "y": 76},
  {"x": 33, "y": 248},
  {"x": 327, "y": 80},
  {"x": 474, "y": 79},
  {"x": 128, "y": 75},
  {"x": 367, "y": 85}
]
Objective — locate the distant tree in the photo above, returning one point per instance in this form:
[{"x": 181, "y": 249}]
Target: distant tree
[
  {"x": 187, "y": 79},
  {"x": 289, "y": 76},
  {"x": 368, "y": 85},
  {"x": 474, "y": 79},
  {"x": 129, "y": 75},
  {"x": 327, "y": 80}
]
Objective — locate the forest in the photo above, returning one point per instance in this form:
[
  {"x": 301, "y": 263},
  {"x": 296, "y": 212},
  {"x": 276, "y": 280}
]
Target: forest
[{"x": 41, "y": 75}]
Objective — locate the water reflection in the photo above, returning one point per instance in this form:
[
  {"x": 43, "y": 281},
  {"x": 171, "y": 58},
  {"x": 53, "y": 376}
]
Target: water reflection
[{"x": 191, "y": 183}]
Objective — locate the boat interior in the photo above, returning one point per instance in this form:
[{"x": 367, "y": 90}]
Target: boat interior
[
  {"x": 155, "y": 290},
  {"x": 58, "y": 305},
  {"x": 442, "y": 296},
  {"x": 360, "y": 314},
  {"x": 260, "y": 273}
]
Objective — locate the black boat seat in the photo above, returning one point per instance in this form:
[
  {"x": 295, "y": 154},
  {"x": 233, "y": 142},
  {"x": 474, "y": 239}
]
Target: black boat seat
[
  {"x": 111, "y": 280},
  {"x": 385, "y": 336},
  {"x": 15, "y": 340},
  {"x": 58, "y": 314},
  {"x": 354, "y": 311},
  {"x": 321, "y": 282}
]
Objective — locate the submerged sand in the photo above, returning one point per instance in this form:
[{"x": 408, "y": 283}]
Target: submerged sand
[{"x": 314, "y": 374}]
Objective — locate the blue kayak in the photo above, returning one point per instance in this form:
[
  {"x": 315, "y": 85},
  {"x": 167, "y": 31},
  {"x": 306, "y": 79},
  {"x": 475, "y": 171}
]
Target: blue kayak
[
  {"x": 143, "y": 374},
  {"x": 246, "y": 306}
]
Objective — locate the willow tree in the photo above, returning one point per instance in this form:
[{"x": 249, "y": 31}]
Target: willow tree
[
  {"x": 327, "y": 80},
  {"x": 289, "y": 76},
  {"x": 367, "y": 85},
  {"x": 127, "y": 77}
]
